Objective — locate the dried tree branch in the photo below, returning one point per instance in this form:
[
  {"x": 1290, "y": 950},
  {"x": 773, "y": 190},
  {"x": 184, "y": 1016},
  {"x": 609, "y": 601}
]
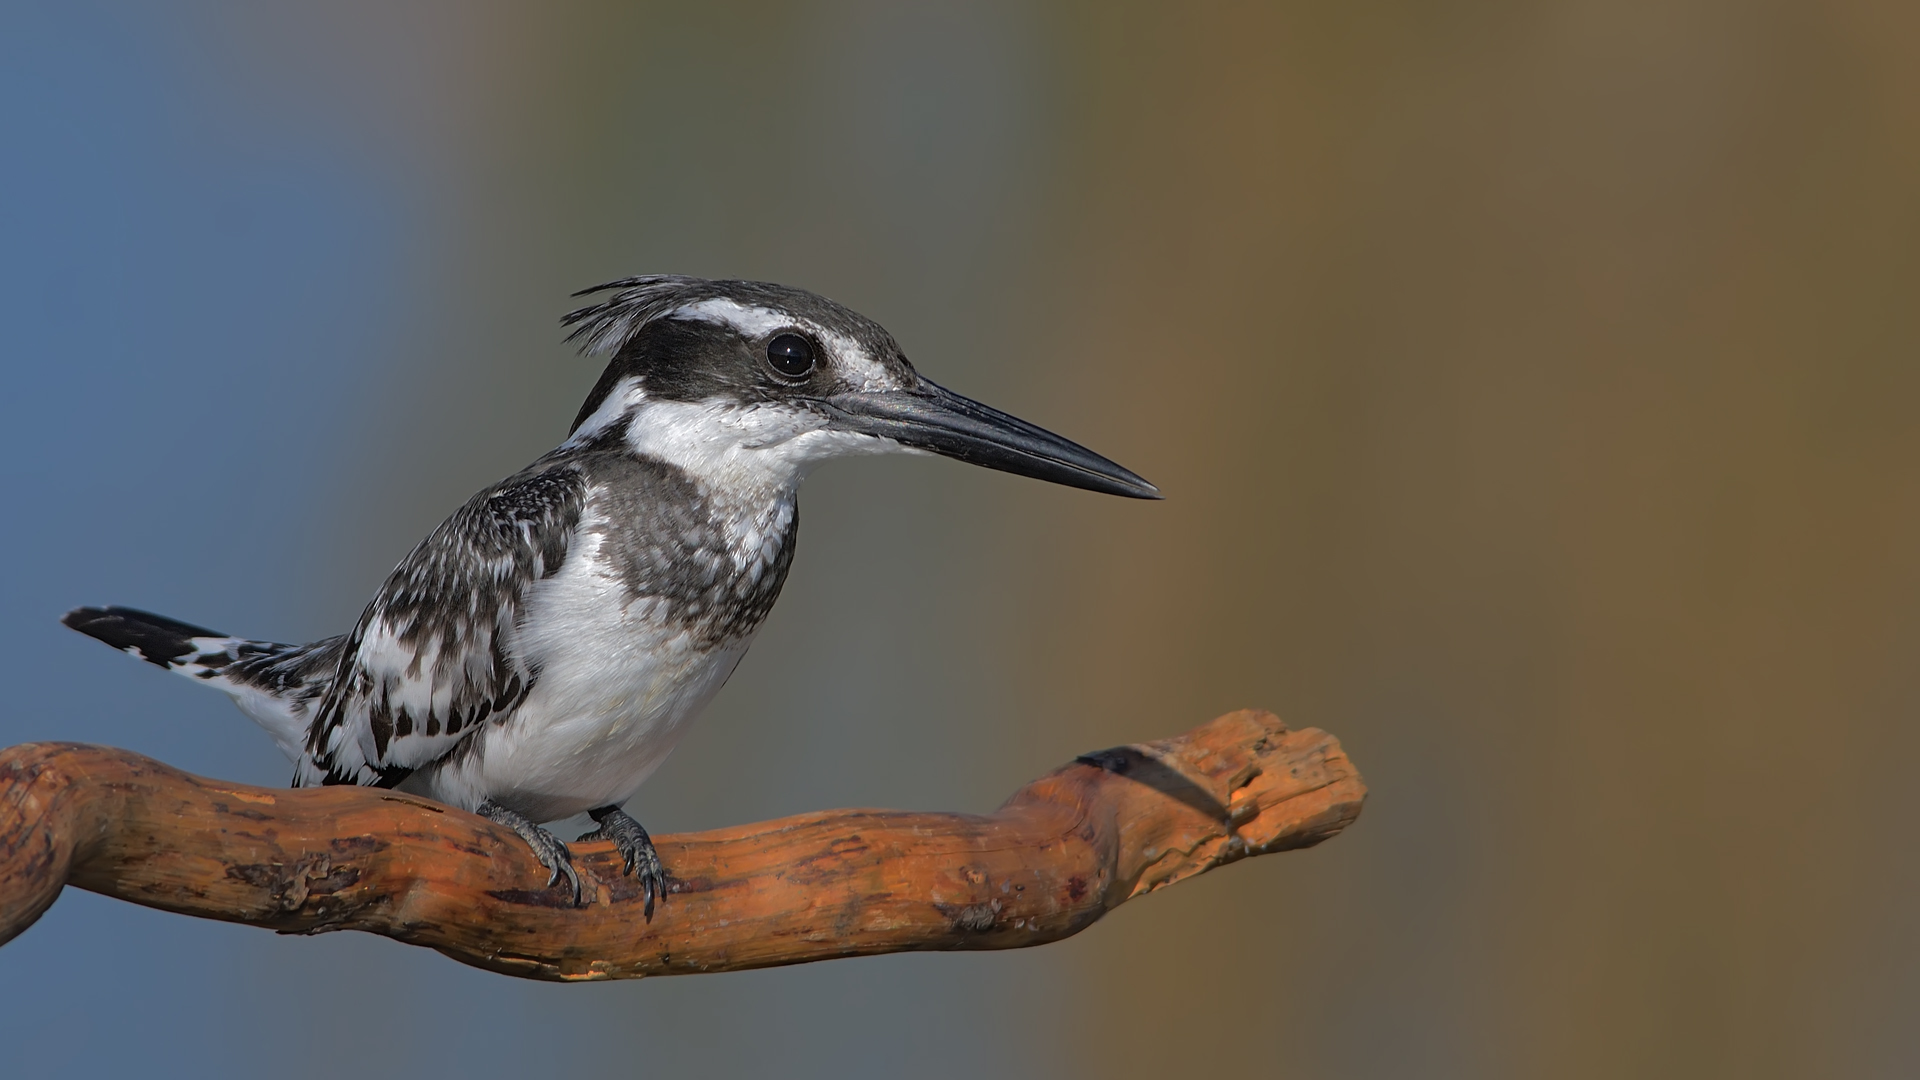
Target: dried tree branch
[{"x": 1063, "y": 851}]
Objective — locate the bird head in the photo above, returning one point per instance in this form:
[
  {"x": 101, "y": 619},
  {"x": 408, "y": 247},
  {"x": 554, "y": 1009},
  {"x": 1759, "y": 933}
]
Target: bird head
[{"x": 758, "y": 382}]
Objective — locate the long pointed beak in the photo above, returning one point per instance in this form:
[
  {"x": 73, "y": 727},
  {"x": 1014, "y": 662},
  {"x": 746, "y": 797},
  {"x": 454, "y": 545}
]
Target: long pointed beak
[{"x": 931, "y": 417}]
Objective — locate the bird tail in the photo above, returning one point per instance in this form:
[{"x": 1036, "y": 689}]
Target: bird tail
[{"x": 274, "y": 684}]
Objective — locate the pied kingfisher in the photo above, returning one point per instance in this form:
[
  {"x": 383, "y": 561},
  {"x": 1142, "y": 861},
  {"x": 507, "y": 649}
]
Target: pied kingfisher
[{"x": 542, "y": 651}]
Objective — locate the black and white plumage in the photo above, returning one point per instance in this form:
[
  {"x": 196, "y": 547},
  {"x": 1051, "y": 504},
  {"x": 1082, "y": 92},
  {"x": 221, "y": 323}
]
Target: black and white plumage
[{"x": 540, "y": 653}]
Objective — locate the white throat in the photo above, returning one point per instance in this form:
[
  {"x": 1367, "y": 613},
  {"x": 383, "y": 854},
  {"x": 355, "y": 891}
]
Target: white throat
[{"x": 761, "y": 449}]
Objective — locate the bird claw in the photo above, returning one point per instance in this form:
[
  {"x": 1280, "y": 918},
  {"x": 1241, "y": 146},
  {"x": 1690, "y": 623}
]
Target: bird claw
[
  {"x": 562, "y": 866},
  {"x": 642, "y": 861},
  {"x": 548, "y": 848}
]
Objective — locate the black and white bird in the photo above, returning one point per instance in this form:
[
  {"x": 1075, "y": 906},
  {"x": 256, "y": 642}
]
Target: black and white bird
[{"x": 540, "y": 653}]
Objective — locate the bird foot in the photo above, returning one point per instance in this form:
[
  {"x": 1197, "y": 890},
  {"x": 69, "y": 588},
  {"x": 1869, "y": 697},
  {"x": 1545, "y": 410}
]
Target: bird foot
[
  {"x": 634, "y": 843},
  {"x": 548, "y": 848}
]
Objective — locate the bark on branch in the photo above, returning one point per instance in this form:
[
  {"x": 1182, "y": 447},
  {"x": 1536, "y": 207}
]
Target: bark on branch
[{"x": 1063, "y": 851}]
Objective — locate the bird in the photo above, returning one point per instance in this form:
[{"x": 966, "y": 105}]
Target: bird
[{"x": 541, "y": 651}]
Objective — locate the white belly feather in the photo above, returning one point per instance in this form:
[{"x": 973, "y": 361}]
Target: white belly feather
[{"x": 618, "y": 686}]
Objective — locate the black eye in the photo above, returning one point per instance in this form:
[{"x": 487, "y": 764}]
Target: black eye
[{"x": 790, "y": 354}]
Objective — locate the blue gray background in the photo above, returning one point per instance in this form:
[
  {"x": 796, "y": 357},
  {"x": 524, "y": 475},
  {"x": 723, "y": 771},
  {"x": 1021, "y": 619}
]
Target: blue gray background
[{"x": 1533, "y": 386}]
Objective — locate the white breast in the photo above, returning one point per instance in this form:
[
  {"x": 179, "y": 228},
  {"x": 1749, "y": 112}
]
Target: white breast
[{"x": 618, "y": 685}]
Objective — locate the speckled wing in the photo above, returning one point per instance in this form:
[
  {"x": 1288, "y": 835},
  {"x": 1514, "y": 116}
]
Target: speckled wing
[{"x": 433, "y": 656}]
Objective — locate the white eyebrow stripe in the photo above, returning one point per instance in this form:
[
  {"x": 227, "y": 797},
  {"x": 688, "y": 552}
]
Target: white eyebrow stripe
[
  {"x": 757, "y": 322},
  {"x": 854, "y": 362},
  {"x": 750, "y": 321}
]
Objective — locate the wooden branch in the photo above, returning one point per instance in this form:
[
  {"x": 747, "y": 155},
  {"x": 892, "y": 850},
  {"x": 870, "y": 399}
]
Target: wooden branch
[{"x": 1063, "y": 851}]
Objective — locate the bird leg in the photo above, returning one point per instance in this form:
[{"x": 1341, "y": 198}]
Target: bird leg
[
  {"x": 548, "y": 848},
  {"x": 632, "y": 840}
]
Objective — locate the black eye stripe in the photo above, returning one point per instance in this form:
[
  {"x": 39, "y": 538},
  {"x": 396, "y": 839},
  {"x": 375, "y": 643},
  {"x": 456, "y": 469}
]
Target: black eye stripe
[{"x": 791, "y": 355}]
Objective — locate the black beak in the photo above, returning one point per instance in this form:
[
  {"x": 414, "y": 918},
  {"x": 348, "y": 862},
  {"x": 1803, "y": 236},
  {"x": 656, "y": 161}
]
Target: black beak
[{"x": 930, "y": 417}]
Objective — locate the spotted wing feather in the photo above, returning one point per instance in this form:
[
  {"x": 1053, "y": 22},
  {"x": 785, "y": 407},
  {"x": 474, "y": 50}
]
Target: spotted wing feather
[{"x": 433, "y": 656}]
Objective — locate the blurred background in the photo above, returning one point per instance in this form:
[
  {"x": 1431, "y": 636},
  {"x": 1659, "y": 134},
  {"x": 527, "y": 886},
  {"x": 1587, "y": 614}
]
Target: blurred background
[{"x": 1533, "y": 386}]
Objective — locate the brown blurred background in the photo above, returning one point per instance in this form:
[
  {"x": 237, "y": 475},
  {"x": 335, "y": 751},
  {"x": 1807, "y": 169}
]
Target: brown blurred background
[{"x": 1533, "y": 387}]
